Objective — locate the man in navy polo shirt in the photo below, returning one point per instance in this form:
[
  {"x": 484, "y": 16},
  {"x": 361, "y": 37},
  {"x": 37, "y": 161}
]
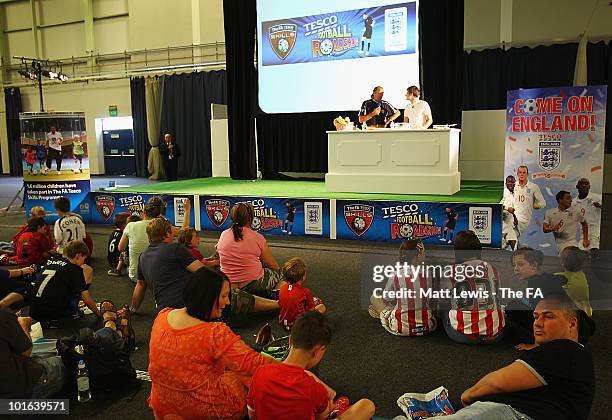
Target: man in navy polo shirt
[{"x": 377, "y": 113}]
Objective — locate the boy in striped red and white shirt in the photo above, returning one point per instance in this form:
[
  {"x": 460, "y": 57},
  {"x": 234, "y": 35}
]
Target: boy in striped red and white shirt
[
  {"x": 410, "y": 313},
  {"x": 475, "y": 315}
]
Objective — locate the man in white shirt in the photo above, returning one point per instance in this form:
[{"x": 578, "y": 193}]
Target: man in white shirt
[
  {"x": 509, "y": 221},
  {"x": 563, "y": 221},
  {"x": 588, "y": 204},
  {"x": 54, "y": 148},
  {"x": 527, "y": 196},
  {"x": 417, "y": 112}
]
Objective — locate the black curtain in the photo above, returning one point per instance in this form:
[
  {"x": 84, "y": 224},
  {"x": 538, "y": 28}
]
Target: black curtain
[
  {"x": 599, "y": 68},
  {"x": 441, "y": 56},
  {"x": 139, "y": 118},
  {"x": 490, "y": 73},
  {"x": 240, "y": 25},
  {"x": 186, "y": 115},
  {"x": 294, "y": 142},
  {"x": 12, "y": 101}
]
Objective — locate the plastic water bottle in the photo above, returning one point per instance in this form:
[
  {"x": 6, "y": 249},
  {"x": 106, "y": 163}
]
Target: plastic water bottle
[{"x": 83, "y": 393}]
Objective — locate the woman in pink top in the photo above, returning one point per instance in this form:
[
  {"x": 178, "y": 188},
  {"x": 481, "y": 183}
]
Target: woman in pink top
[
  {"x": 200, "y": 369},
  {"x": 245, "y": 257}
]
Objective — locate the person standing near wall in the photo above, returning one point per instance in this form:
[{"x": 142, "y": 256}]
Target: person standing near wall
[{"x": 170, "y": 152}]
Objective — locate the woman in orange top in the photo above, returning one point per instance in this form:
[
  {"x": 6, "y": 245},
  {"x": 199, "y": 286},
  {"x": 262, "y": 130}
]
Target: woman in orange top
[{"x": 199, "y": 368}]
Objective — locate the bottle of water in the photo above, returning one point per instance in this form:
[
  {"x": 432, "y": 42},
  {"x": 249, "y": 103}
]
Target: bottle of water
[{"x": 83, "y": 391}]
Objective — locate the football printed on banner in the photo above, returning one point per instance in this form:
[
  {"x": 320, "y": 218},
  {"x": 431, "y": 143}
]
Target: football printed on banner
[
  {"x": 359, "y": 217},
  {"x": 217, "y": 211},
  {"x": 105, "y": 204},
  {"x": 282, "y": 38}
]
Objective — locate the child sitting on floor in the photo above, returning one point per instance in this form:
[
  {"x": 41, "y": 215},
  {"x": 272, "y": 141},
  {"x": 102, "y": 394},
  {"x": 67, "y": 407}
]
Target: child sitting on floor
[
  {"x": 191, "y": 239},
  {"x": 405, "y": 315},
  {"x": 294, "y": 298},
  {"x": 113, "y": 255},
  {"x": 34, "y": 246},
  {"x": 288, "y": 391},
  {"x": 576, "y": 285}
]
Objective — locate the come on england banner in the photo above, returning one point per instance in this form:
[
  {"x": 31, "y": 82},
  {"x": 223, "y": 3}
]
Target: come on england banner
[{"x": 558, "y": 135}]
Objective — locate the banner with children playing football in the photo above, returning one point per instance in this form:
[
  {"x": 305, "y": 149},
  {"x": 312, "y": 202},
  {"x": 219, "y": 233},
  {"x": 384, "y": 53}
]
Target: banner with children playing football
[
  {"x": 554, "y": 168},
  {"x": 55, "y": 160}
]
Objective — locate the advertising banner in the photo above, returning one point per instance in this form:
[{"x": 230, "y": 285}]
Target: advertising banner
[
  {"x": 105, "y": 205},
  {"x": 359, "y": 33},
  {"x": 554, "y": 166},
  {"x": 433, "y": 223},
  {"x": 44, "y": 194},
  {"x": 273, "y": 216},
  {"x": 55, "y": 160}
]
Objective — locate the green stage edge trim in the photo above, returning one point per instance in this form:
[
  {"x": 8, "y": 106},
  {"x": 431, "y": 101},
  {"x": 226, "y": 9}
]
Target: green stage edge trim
[{"x": 484, "y": 192}]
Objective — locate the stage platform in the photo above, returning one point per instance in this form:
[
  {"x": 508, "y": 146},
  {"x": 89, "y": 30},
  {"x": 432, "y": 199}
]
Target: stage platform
[
  {"x": 485, "y": 192},
  {"x": 304, "y": 208}
]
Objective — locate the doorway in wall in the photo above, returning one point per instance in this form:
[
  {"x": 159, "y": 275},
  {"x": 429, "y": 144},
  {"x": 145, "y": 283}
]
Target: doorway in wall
[{"x": 118, "y": 143}]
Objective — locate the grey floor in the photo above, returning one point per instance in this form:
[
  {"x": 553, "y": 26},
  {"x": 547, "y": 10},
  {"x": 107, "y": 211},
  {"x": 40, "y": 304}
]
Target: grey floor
[{"x": 363, "y": 360}]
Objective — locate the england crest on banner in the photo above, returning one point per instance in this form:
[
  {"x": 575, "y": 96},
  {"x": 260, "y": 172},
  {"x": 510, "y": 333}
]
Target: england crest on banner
[
  {"x": 550, "y": 154},
  {"x": 480, "y": 220},
  {"x": 282, "y": 38},
  {"x": 217, "y": 211},
  {"x": 359, "y": 217},
  {"x": 105, "y": 205}
]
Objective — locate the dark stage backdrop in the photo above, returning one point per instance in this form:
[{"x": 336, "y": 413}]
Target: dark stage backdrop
[
  {"x": 139, "y": 119},
  {"x": 599, "y": 68},
  {"x": 490, "y": 73},
  {"x": 441, "y": 49},
  {"x": 186, "y": 115},
  {"x": 12, "y": 101},
  {"x": 240, "y": 20}
]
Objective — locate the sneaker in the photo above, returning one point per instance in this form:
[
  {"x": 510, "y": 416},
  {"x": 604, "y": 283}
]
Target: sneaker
[
  {"x": 59, "y": 172},
  {"x": 373, "y": 312},
  {"x": 290, "y": 233},
  {"x": 340, "y": 406},
  {"x": 442, "y": 239},
  {"x": 367, "y": 52},
  {"x": 360, "y": 51},
  {"x": 450, "y": 241},
  {"x": 114, "y": 272}
]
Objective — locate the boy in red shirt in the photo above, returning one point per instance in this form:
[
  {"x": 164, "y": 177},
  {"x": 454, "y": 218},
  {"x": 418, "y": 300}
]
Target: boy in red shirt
[
  {"x": 293, "y": 298},
  {"x": 33, "y": 246},
  {"x": 288, "y": 391}
]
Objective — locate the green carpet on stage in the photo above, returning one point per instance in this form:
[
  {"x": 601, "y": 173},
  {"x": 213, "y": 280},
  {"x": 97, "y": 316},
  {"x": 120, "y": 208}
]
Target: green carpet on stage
[{"x": 488, "y": 192}]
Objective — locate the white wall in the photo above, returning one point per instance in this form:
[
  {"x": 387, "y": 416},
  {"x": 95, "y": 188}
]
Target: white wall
[{"x": 534, "y": 20}]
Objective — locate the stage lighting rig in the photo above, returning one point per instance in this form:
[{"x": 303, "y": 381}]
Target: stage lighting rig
[{"x": 35, "y": 69}]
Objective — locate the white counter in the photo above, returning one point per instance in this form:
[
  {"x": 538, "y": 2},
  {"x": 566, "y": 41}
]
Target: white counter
[{"x": 392, "y": 161}]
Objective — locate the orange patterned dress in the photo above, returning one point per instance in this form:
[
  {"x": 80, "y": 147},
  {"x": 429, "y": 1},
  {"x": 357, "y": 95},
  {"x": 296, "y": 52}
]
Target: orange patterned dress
[{"x": 199, "y": 372}]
